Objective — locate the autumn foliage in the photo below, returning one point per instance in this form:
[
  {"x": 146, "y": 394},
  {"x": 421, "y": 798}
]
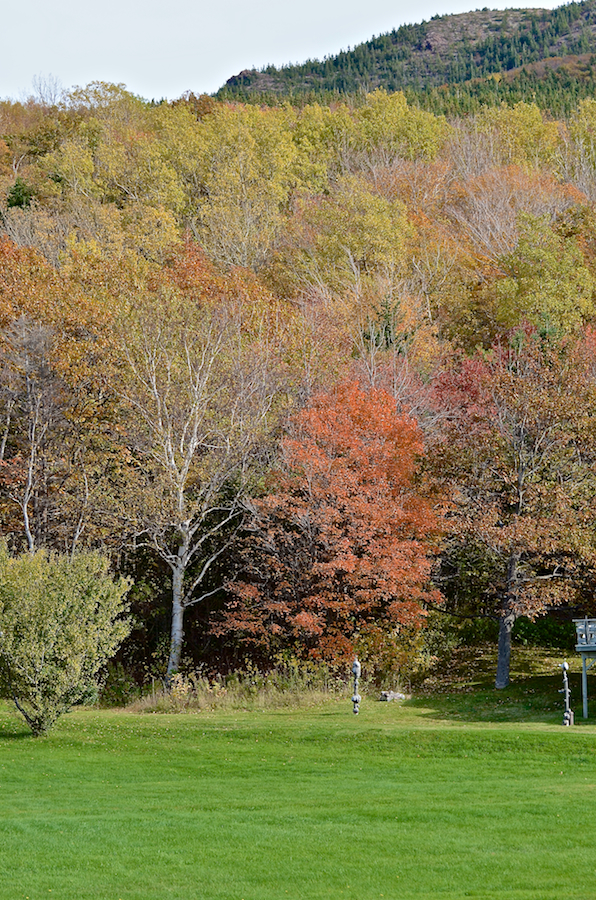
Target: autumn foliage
[
  {"x": 345, "y": 541},
  {"x": 518, "y": 454},
  {"x": 239, "y": 343}
]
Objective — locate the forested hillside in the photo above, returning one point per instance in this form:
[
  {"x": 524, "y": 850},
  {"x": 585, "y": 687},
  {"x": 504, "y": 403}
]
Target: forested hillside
[
  {"x": 452, "y": 63},
  {"x": 304, "y": 373}
]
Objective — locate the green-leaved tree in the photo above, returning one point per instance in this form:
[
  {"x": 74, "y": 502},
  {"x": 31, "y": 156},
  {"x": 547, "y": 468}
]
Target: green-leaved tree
[{"x": 61, "y": 619}]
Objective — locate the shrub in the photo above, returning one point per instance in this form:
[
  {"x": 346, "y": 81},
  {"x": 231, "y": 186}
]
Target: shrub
[
  {"x": 546, "y": 631},
  {"x": 20, "y": 195},
  {"x": 119, "y": 687},
  {"x": 61, "y": 619}
]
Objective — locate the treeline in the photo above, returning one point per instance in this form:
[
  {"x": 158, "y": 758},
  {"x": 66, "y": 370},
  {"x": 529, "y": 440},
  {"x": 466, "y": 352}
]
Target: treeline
[
  {"x": 305, "y": 374},
  {"x": 448, "y": 50},
  {"x": 556, "y": 90}
]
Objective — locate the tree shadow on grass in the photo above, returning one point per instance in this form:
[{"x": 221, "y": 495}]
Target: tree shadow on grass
[
  {"x": 12, "y": 727},
  {"x": 463, "y": 689},
  {"x": 17, "y": 734}
]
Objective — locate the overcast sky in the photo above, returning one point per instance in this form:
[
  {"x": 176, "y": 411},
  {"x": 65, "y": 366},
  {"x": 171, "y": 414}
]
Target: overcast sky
[{"x": 162, "y": 49}]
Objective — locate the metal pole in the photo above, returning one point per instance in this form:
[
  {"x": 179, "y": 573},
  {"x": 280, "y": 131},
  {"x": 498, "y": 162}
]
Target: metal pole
[
  {"x": 356, "y": 698},
  {"x": 585, "y": 685},
  {"x": 568, "y": 716}
]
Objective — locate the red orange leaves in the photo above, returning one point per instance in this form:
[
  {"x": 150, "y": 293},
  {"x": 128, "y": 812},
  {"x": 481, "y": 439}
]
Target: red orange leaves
[{"x": 346, "y": 540}]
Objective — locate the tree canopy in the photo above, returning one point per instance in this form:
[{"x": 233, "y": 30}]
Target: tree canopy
[{"x": 303, "y": 371}]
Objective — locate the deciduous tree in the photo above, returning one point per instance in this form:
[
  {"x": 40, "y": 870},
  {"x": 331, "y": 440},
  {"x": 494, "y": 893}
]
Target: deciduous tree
[
  {"x": 56, "y": 440},
  {"x": 344, "y": 542},
  {"x": 518, "y": 451},
  {"x": 201, "y": 378}
]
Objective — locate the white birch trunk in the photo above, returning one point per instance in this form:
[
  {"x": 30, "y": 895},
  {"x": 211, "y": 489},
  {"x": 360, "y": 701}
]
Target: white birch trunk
[{"x": 177, "y": 627}]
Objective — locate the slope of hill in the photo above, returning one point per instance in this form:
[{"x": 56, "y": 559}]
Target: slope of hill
[{"x": 447, "y": 50}]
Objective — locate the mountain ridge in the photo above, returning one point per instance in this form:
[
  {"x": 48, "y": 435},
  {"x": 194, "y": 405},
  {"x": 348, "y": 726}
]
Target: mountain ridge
[{"x": 446, "y": 50}]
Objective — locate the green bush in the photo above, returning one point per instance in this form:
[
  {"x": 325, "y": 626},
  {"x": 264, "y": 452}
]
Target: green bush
[
  {"x": 119, "y": 687},
  {"x": 547, "y": 631},
  {"x": 474, "y": 632},
  {"x": 20, "y": 195},
  {"x": 61, "y": 619}
]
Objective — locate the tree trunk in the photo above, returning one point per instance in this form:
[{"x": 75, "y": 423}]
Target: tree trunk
[
  {"x": 504, "y": 654},
  {"x": 177, "y": 629},
  {"x": 507, "y": 621}
]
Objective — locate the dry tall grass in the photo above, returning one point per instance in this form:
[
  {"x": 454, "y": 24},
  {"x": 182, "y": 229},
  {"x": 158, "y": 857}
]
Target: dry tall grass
[{"x": 297, "y": 685}]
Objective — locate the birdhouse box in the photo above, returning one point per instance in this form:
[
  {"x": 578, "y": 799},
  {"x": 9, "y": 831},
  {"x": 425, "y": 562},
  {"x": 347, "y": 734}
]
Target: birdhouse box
[
  {"x": 586, "y": 633},
  {"x": 586, "y": 647}
]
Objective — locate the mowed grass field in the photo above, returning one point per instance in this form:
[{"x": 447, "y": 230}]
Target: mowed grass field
[{"x": 442, "y": 797}]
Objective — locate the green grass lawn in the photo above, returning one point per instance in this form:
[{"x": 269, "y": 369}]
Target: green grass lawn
[{"x": 447, "y": 796}]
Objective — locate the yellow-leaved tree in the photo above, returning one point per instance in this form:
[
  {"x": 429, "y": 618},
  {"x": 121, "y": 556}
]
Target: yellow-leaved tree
[{"x": 202, "y": 379}]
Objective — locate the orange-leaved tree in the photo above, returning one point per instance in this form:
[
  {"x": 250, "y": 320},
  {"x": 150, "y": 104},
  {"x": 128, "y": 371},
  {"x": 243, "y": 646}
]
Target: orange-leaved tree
[
  {"x": 58, "y": 440},
  {"x": 344, "y": 542}
]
